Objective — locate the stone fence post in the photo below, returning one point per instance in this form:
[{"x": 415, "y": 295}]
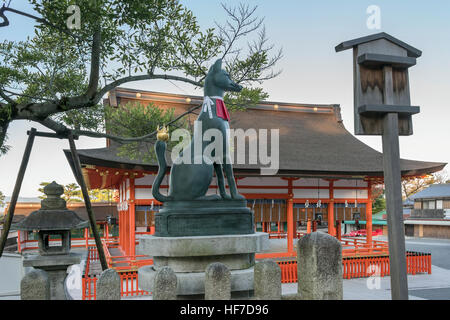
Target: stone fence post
[
  {"x": 165, "y": 284},
  {"x": 35, "y": 285},
  {"x": 267, "y": 280},
  {"x": 319, "y": 262},
  {"x": 217, "y": 282},
  {"x": 108, "y": 285}
]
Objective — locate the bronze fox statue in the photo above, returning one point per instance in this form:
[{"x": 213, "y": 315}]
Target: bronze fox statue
[{"x": 191, "y": 181}]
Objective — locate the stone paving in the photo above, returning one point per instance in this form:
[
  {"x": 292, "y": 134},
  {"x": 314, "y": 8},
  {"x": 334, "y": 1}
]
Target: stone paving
[{"x": 422, "y": 286}]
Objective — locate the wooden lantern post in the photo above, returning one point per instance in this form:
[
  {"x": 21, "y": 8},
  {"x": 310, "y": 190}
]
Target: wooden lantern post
[{"x": 383, "y": 107}]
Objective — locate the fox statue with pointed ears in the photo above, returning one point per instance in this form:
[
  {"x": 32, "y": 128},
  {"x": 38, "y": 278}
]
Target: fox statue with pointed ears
[{"x": 191, "y": 181}]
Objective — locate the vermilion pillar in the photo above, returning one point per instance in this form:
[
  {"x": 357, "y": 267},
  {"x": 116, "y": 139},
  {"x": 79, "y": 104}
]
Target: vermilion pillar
[
  {"x": 131, "y": 220},
  {"x": 369, "y": 215},
  {"x": 19, "y": 244},
  {"x": 331, "y": 229},
  {"x": 106, "y": 232},
  {"x": 338, "y": 230},
  {"x": 290, "y": 224},
  {"x": 86, "y": 236}
]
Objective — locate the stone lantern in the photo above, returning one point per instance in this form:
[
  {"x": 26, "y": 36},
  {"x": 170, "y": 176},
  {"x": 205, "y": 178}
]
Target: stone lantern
[{"x": 53, "y": 218}]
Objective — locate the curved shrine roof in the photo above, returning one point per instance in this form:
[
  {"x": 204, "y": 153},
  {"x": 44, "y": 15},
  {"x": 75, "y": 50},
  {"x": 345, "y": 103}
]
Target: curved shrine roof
[{"x": 312, "y": 141}]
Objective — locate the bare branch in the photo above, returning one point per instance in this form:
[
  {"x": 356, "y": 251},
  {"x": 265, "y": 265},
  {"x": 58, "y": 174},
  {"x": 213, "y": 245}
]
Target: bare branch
[
  {"x": 25, "y": 96},
  {"x": 40, "y": 20},
  {"x": 244, "y": 22}
]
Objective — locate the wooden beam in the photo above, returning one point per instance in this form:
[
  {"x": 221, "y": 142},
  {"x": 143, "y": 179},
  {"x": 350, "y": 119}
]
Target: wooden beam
[
  {"x": 87, "y": 201},
  {"x": 394, "y": 208},
  {"x": 331, "y": 229},
  {"x": 12, "y": 205}
]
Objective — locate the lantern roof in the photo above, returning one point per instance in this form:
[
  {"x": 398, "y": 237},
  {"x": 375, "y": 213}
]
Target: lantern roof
[
  {"x": 53, "y": 214},
  {"x": 412, "y": 52}
]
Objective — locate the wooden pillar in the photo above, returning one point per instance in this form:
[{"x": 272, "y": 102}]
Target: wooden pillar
[
  {"x": 339, "y": 230},
  {"x": 120, "y": 228},
  {"x": 86, "y": 236},
  {"x": 369, "y": 215},
  {"x": 331, "y": 229},
  {"x": 132, "y": 220},
  {"x": 392, "y": 181},
  {"x": 19, "y": 244},
  {"x": 106, "y": 232},
  {"x": 290, "y": 223}
]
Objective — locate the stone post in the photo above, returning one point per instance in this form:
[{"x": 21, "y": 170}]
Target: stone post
[
  {"x": 267, "y": 280},
  {"x": 165, "y": 284},
  {"x": 108, "y": 285},
  {"x": 217, "y": 282},
  {"x": 319, "y": 262},
  {"x": 35, "y": 285}
]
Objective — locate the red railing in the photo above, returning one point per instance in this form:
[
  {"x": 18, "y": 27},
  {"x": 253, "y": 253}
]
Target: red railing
[
  {"x": 86, "y": 242},
  {"x": 89, "y": 282},
  {"x": 130, "y": 285},
  {"x": 288, "y": 271},
  {"x": 362, "y": 267},
  {"x": 129, "y": 280},
  {"x": 132, "y": 263}
]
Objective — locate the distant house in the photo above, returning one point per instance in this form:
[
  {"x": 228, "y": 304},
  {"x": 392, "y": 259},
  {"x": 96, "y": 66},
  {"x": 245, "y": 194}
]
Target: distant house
[{"x": 430, "y": 216}]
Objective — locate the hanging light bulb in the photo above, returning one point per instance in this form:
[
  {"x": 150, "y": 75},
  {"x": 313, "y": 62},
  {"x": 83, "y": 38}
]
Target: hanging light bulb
[
  {"x": 307, "y": 204},
  {"x": 346, "y": 204},
  {"x": 319, "y": 204}
]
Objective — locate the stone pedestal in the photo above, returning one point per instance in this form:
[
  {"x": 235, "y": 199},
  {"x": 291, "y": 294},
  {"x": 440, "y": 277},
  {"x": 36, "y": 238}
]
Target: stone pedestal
[
  {"x": 56, "y": 268},
  {"x": 204, "y": 217},
  {"x": 189, "y": 257},
  {"x": 319, "y": 263}
]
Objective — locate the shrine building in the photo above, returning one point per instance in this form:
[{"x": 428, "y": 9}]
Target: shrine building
[{"x": 325, "y": 173}]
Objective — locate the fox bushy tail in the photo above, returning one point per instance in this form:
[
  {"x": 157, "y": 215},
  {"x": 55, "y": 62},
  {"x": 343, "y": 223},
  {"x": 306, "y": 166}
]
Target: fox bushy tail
[{"x": 160, "y": 150}]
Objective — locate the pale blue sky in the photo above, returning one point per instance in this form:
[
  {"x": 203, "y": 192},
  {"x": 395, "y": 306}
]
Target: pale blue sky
[{"x": 313, "y": 72}]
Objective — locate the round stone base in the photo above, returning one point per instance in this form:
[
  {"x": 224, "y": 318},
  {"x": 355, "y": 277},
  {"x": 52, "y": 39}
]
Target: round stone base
[
  {"x": 198, "y": 246},
  {"x": 199, "y": 264},
  {"x": 189, "y": 257}
]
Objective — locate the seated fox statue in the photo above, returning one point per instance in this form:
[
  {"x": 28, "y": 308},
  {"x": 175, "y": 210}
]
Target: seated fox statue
[{"x": 191, "y": 181}]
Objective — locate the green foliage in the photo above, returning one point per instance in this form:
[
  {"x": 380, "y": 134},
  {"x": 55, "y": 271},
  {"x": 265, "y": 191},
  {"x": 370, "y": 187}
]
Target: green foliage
[
  {"x": 138, "y": 39},
  {"x": 101, "y": 195},
  {"x": 379, "y": 204},
  {"x": 72, "y": 193},
  {"x": 246, "y": 98},
  {"x": 2, "y": 199},
  {"x": 135, "y": 120}
]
